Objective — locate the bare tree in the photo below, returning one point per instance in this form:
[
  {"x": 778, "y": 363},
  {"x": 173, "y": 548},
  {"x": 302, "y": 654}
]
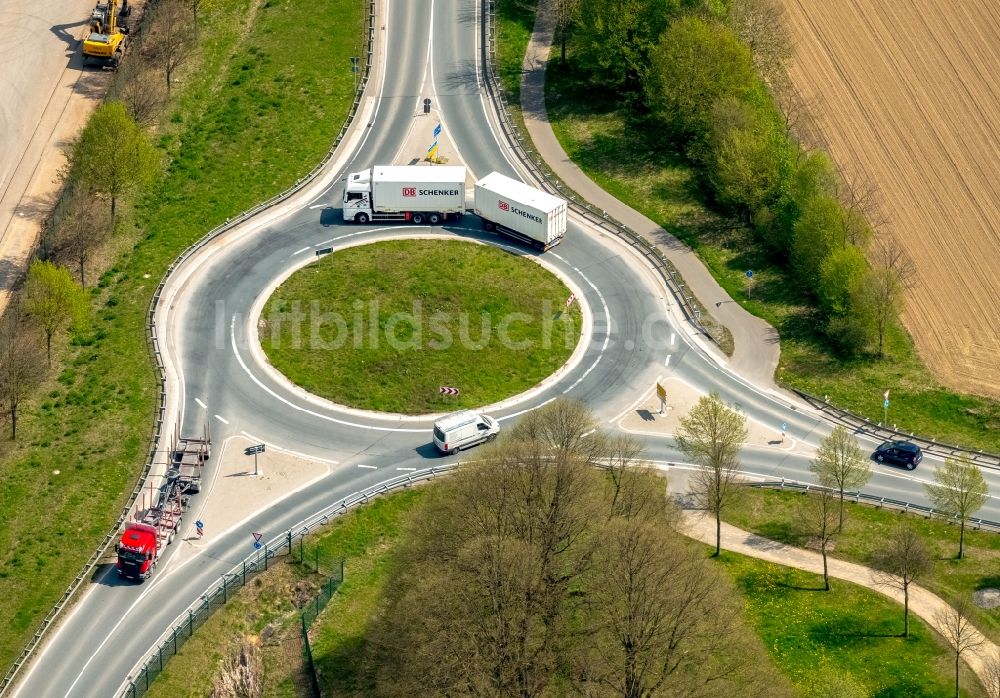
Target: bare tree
[
  {"x": 711, "y": 436},
  {"x": 83, "y": 228},
  {"x": 960, "y": 491},
  {"x": 656, "y": 613},
  {"x": 839, "y": 464},
  {"x": 171, "y": 37},
  {"x": 818, "y": 519},
  {"x": 633, "y": 491},
  {"x": 991, "y": 674},
  {"x": 902, "y": 560},
  {"x": 22, "y": 367},
  {"x": 892, "y": 273},
  {"x": 954, "y": 624},
  {"x": 144, "y": 98}
]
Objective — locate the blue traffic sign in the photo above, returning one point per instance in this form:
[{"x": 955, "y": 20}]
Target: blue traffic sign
[
  {"x": 885, "y": 404},
  {"x": 198, "y": 524},
  {"x": 256, "y": 545},
  {"x": 749, "y": 273},
  {"x": 784, "y": 427},
  {"x": 437, "y": 130}
]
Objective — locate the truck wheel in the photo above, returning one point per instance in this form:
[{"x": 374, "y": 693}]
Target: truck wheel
[
  {"x": 491, "y": 437},
  {"x": 434, "y": 218},
  {"x": 417, "y": 218},
  {"x": 361, "y": 218},
  {"x": 453, "y": 452},
  {"x": 170, "y": 539},
  {"x": 489, "y": 225}
]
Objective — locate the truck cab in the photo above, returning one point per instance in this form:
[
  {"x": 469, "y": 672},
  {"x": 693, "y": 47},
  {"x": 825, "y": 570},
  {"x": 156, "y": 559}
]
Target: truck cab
[
  {"x": 357, "y": 197},
  {"x": 137, "y": 551}
]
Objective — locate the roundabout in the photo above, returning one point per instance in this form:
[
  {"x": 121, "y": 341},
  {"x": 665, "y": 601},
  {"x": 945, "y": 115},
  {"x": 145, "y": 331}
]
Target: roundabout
[{"x": 386, "y": 326}]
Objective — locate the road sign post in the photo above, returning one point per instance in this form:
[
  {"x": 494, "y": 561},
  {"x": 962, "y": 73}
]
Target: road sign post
[
  {"x": 885, "y": 407},
  {"x": 749, "y": 282},
  {"x": 199, "y": 528},
  {"x": 661, "y": 393},
  {"x": 253, "y": 451},
  {"x": 784, "y": 428}
]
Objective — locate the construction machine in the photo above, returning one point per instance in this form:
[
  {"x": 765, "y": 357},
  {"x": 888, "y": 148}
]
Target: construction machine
[{"x": 105, "y": 45}]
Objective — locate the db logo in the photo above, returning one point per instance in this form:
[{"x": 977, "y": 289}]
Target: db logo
[
  {"x": 504, "y": 206},
  {"x": 409, "y": 191}
]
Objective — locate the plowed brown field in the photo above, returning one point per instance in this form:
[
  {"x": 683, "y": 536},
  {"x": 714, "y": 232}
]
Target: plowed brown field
[{"x": 907, "y": 93}]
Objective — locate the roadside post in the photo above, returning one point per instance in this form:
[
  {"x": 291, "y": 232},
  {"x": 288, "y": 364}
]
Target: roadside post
[
  {"x": 661, "y": 393},
  {"x": 749, "y": 282},
  {"x": 784, "y": 428},
  {"x": 253, "y": 451},
  {"x": 885, "y": 407}
]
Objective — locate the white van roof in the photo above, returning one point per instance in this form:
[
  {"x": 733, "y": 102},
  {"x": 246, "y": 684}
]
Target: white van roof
[{"x": 455, "y": 420}]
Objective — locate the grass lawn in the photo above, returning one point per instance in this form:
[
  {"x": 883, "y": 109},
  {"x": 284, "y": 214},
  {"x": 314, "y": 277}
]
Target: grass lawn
[
  {"x": 364, "y": 538},
  {"x": 248, "y": 119},
  {"x": 772, "y": 514},
  {"x": 514, "y": 21},
  {"x": 450, "y": 314},
  {"x": 848, "y": 630}
]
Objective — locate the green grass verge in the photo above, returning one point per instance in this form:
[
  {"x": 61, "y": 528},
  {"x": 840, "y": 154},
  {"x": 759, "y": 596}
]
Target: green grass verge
[
  {"x": 365, "y": 539},
  {"x": 448, "y": 314},
  {"x": 772, "y": 514},
  {"x": 515, "y": 20},
  {"x": 849, "y": 630},
  {"x": 622, "y": 156},
  {"x": 250, "y": 118}
]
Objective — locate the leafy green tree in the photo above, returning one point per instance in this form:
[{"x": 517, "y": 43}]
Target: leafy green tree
[
  {"x": 841, "y": 275},
  {"x": 711, "y": 435},
  {"x": 960, "y": 491},
  {"x": 812, "y": 175},
  {"x": 746, "y": 157},
  {"x": 614, "y": 38},
  {"x": 840, "y": 465},
  {"x": 113, "y": 155},
  {"x": 21, "y": 368},
  {"x": 695, "y": 64},
  {"x": 816, "y": 233},
  {"x": 53, "y": 299}
]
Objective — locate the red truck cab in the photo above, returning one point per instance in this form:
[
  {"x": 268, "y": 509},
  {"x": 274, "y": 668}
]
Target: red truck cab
[{"x": 137, "y": 551}]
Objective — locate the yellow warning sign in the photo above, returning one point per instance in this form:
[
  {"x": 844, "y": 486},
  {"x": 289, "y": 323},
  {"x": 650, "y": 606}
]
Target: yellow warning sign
[{"x": 661, "y": 392}]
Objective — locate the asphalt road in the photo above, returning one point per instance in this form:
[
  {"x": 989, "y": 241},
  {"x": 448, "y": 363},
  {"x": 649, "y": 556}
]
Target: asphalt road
[{"x": 209, "y": 331}]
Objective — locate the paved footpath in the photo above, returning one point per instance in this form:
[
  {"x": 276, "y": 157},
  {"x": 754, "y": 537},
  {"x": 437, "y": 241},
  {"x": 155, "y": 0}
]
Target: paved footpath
[
  {"x": 757, "y": 349},
  {"x": 701, "y": 526}
]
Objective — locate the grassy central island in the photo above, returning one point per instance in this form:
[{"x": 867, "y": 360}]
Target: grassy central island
[{"x": 384, "y": 326}]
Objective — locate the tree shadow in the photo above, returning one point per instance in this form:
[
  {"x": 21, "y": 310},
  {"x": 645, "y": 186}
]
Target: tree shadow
[{"x": 460, "y": 80}]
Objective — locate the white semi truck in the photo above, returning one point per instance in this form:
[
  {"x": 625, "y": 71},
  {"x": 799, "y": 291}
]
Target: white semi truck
[
  {"x": 414, "y": 193},
  {"x": 520, "y": 211}
]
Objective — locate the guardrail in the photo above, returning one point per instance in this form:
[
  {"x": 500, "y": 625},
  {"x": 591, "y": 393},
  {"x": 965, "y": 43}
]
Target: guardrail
[
  {"x": 153, "y": 343},
  {"x": 878, "y": 502},
  {"x": 857, "y": 423},
  {"x": 183, "y": 626},
  {"x": 546, "y": 180}
]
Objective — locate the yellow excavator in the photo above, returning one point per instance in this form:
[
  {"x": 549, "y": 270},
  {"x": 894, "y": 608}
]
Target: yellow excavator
[{"x": 108, "y": 38}]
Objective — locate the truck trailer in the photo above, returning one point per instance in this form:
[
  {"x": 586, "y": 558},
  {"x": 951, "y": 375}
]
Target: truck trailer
[
  {"x": 520, "y": 211},
  {"x": 414, "y": 193},
  {"x": 159, "y": 520}
]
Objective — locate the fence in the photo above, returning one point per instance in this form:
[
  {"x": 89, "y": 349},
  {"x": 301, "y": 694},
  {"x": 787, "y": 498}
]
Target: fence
[
  {"x": 286, "y": 544},
  {"x": 547, "y": 181},
  {"x": 152, "y": 341},
  {"x": 309, "y": 614},
  {"x": 879, "y": 502}
]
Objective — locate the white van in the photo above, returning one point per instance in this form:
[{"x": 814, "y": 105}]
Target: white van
[{"x": 464, "y": 429}]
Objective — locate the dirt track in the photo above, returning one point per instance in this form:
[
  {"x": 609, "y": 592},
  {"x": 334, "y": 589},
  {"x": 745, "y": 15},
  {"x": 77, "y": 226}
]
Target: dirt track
[{"x": 907, "y": 92}]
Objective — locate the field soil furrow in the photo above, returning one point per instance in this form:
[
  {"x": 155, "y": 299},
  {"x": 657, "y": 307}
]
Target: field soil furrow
[{"x": 906, "y": 94}]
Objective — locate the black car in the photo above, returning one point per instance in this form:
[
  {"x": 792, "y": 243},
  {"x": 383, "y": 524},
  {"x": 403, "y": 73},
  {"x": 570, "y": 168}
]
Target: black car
[{"x": 899, "y": 452}]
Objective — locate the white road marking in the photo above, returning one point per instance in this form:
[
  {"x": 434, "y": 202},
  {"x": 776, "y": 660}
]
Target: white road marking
[
  {"x": 201, "y": 404},
  {"x": 518, "y": 414},
  {"x": 666, "y": 362},
  {"x": 370, "y": 467},
  {"x": 673, "y": 338},
  {"x": 319, "y": 206},
  {"x": 406, "y": 469},
  {"x": 288, "y": 450},
  {"x": 304, "y": 249},
  {"x": 222, "y": 419}
]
